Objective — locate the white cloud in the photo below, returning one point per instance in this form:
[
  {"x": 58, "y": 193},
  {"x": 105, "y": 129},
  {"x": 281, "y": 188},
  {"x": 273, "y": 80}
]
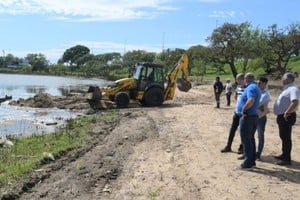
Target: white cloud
[
  {"x": 87, "y": 10},
  {"x": 97, "y": 47},
  {"x": 222, "y": 14}
]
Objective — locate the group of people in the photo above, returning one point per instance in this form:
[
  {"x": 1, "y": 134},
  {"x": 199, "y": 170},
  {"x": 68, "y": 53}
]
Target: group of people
[{"x": 250, "y": 115}]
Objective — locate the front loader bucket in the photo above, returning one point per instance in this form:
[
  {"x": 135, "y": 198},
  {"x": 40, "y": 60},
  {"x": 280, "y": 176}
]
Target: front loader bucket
[
  {"x": 183, "y": 85},
  {"x": 96, "y": 93},
  {"x": 94, "y": 98}
]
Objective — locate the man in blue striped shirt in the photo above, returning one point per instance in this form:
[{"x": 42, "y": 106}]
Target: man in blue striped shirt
[{"x": 236, "y": 117}]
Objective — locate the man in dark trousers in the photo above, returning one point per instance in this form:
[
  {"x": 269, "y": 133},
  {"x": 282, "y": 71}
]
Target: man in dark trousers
[
  {"x": 285, "y": 108},
  {"x": 236, "y": 117},
  {"x": 218, "y": 89}
]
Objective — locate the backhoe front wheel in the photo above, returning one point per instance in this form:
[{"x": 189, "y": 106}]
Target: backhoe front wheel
[
  {"x": 122, "y": 99},
  {"x": 154, "y": 97}
]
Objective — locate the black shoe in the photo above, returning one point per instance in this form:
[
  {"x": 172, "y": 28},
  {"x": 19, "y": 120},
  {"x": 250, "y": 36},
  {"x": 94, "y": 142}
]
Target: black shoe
[
  {"x": 257, "y": 157},
  {"x": 279, "y": 157},
  {"x": 241, "y": 149},
  {"x": 283, "y": 162},
  {"x": 244, "y": 168},
  {"x": 241, "y": 157},
  {"x": 226, "y": 149}
]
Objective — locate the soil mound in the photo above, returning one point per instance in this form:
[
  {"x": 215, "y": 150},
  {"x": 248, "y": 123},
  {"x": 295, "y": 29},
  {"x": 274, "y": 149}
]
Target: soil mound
[{"x": 45, "y": 100}]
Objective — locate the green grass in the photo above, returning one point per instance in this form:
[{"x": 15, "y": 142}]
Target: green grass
[
  {"x": 255, "y": 67},
  {"x": 27, "y": 153}
]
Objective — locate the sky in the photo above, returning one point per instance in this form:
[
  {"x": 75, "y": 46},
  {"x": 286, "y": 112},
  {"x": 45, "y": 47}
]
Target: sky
[{"x": 104, "y": 26}]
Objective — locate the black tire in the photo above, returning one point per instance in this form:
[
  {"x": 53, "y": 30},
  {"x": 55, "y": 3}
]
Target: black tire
[
  {"x": 122, "y": 99},
  {"x": 154, "y": 97}
]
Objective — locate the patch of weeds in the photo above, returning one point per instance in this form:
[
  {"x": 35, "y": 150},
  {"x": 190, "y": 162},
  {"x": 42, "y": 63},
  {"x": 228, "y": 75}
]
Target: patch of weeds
[
  {"x": 153, "y": 195},
  {"x": 28, "y": 153}
]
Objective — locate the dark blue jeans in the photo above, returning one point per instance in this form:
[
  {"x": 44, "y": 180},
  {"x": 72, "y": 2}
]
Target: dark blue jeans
[{"x": 248, "y": 126}]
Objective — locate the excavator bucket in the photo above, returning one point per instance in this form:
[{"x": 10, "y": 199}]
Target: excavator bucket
[
  {"x": 95, "y": 92},
  {"x": 94, "y": 98},
  {"x": 183, "y": 85}
]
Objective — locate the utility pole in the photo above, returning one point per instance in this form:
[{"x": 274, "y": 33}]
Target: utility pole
[
  {"x": 163, "y": 43},
  {"x": 124, "y": 47}
]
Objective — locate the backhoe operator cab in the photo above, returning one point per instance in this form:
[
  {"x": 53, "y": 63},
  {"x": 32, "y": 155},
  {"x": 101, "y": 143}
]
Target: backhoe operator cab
[
  {"x": 150, "y": 84},
  {"x": 147, "y": 84}
]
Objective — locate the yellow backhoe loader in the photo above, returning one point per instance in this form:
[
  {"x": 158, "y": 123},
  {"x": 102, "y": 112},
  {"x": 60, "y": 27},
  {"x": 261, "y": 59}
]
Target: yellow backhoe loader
[{"x": 147, "y": 84}]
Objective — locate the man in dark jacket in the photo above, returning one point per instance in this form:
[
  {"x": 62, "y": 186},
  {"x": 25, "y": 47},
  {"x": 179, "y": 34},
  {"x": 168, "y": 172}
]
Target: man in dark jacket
[{"x": 218, "y": 89}]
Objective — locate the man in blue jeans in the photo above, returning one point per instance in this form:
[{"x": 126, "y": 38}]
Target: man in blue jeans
[
  {"x": 248, "y": 109},
  {"x": 262, "y": 114}
]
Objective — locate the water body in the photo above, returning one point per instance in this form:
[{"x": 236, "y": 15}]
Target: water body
[{"x": 24, "y": 121}]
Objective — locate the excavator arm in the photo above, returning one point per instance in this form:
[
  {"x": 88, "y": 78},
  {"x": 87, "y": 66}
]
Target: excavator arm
[{"x": 182, "y": 83}]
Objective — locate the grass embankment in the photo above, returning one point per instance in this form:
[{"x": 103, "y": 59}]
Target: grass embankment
[{"x": 28, "y": 153}]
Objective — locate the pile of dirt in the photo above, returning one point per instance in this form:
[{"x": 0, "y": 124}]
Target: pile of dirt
[{"x": 71, "y": 101}]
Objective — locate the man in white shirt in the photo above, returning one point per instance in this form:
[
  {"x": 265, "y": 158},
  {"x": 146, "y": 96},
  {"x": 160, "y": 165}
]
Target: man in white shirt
[{"x": 285, "y": 108}]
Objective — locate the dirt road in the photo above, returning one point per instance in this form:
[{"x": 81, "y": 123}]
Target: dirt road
[{"x": 166, "y": 153}]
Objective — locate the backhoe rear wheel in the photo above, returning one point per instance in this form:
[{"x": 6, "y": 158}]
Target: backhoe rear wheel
[
  {"x": 122, "y": 99},
  {"x": 154, "y": 97}
]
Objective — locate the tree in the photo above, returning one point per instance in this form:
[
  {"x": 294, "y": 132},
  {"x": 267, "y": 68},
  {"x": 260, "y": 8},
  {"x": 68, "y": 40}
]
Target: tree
[
  {"x": 199, "y": 59},
  {"x": 109, "y": 57},
  {"x": 38, "y": 62},
  {"x": 2, "y": 62},
  {"x": 232, "y": 42},
  {"x": 72, "y": 55},
  {"x": 94, "y": 67},
  {"x": 280, "y": 45},
  {"x": 170, "y": 57},
  {"x": 132, "y": 57}
]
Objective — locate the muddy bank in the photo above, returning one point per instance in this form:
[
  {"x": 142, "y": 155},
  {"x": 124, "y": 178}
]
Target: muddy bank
[{"x": 44, "y": 100}]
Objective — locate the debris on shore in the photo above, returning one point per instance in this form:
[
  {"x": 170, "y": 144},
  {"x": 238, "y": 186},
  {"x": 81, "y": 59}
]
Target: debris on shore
[{"x": 45, "y": 100}]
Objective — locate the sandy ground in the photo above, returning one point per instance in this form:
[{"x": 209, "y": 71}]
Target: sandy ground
[{"x": 167, "y": 153}]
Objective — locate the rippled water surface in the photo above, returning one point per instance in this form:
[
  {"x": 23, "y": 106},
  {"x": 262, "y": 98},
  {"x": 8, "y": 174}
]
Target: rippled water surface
[{"x": 26, "y": 121}]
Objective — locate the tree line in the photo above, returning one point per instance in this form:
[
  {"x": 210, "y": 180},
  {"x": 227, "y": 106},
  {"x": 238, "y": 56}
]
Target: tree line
[{"x": 240, "y": 47}]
